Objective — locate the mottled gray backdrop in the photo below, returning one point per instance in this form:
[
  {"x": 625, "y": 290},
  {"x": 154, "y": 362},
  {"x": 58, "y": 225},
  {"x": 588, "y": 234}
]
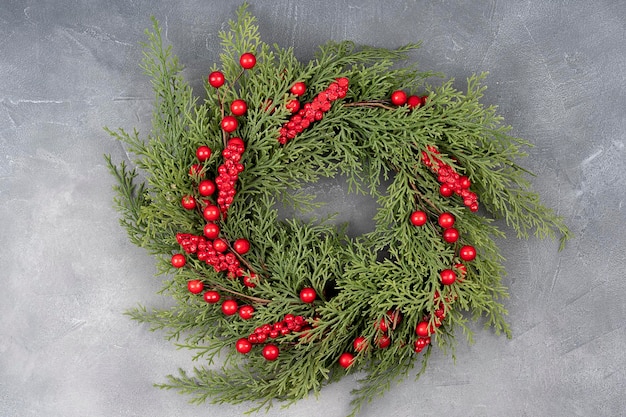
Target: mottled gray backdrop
[{"x": 67, "y": 271}]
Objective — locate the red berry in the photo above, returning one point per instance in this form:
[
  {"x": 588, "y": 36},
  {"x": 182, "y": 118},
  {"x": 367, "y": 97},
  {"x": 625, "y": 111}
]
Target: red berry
[
  {"x": 383, "y": 341},
  {"x": 246, "y": 312},
  {"x": 414, "y": 101},
  {"x": 298, "y": 88},
  {"x": 398, "y": 98},
  {"x": 178, "y": 260},
  {"x": 249, "y": 280},
  {"x": 238, "y": 107},
  {"x": 467, "y": 253},
  {"x": 195, "y": 286},
  {"x": 206, "y": 188},
  {"x": 293, "y": 105},
  {"x": 188, "y": 202},
  {"x": 446, "y": 220},
  {"x": 359, "y": 344},
  {"x": 243, "y": 346},
  {"x": 211, "y": 213},
  {"x": 247, "y": 60},
  {"x": 464, "y": 182},
  {"x": 451, "y": 235},
  {"x": 308, "y": 295},
  {"x": 382, "y": 325},
  {"x": 229, "y": 124},
  {"x": 462, "y": 268},
  {"x": 216, "y": 79},
  {"x": 229, "y": 307},
  {"x": 346, "y": 359},
  {"x": 419, "y": 218},
  {"x": 447, "y": 276},
  {"x": 220, "y": 245},
  {"x": 241, "y": 246},
  {"x": 423, "y": 329},
  {"x": 195, "y": 170},
  {"x": 270, "y": 352},
  {"x": 445, "y": 190},
  {"x": 211, "y": 231},
  {"x": 236, "y": 143},
  {"x": 203, "y": 153},
  {"x": 211, "y": 297}
]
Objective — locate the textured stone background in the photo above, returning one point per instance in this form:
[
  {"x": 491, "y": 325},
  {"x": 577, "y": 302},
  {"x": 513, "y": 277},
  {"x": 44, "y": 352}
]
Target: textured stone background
[{"x": 67, "y": 271}]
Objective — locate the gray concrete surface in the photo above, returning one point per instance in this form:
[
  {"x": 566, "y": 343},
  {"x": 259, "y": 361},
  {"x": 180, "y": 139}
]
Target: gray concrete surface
[{"x": 67, "y": 271}]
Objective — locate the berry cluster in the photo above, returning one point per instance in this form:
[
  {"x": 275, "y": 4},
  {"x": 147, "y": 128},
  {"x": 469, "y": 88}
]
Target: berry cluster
[
  {"x": 425, "y": 328},
  {"x": 214, "y": 253},
  {"x": 289, "y": 324},
  {"x": 400, "y": 98},
  {"x": 228, "y": 173},
  {"x": 313, "y": 111},
  {"x": 388, "y": 322},
  {"x": 451, "y": 181}
]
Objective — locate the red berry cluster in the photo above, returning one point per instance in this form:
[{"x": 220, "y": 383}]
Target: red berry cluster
[
  {"x": 313, "y": 111},
  {"x": 388, "y": 322},
  {"x": 214, "y": 253},
  {"x": 228, "y": 173},
  {"x": 261, "y": 334},
  {"x": 451, "y": 181},
  {"x": 425, "y": 328},
  {"x": 400, "y": 98}
]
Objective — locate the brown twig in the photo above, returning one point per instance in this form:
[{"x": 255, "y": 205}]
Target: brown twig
[
  {"x": 373, "y": 103},
  {"x": 241, "y": 295}
]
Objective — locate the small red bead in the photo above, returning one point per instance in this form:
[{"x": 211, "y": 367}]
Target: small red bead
[
  {"x": 206, "y": 188},
  {"x": 229, "y": 307},
  {"x": 414, "y": 101},
  {"x": 216, "y": 79},
  {"x": 211, "y": 213},
  {"x": 238, "y": 107},
  {"x": 423, "y": 329},
  {"x": 467, "y": 253},
  {"x": 195, "y": 286},
  {"x": 178, "y": 260},
  {"x": 419, "y": 218},
  {"x": 398, "y": 98},
  {"x": 188, "y": 202},
  {"x": 383, "y": 341},
  {"x": 243, "y": 346},
  {"x": 360, "y": 343},
  {"x": 293, "y": 106},
  {"x": 447, "y": 276},
  {"x": 247, "y": 60},
  {"x": 307, "y": 295},
  {"x": 229, "y": 124},
  {"x": 271, "y": 352},
  {"x": 220, "y": 245},
  {"x": 241, "y": 246},
  {"x": 446, "y": 220},
  {"x": 451, "y": 235},
  {"x": 203, "y": 153},
  {"x": 211, "y": 297},
  {"x": 298, "y": 88},
  {"x": 445, "y": 190},
  {"x": 249, "y": 280},
  {"x": 246, "y": 312},
  {"x": 211, "y": 231},
  {"x": 346, "y": 359}
]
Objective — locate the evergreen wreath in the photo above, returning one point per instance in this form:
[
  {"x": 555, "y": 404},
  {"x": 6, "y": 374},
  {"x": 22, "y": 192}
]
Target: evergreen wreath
[{"x": 293, "y": 305}]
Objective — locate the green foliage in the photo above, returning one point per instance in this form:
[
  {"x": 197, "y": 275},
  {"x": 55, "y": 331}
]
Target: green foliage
[{"x": 358, "y": 280}]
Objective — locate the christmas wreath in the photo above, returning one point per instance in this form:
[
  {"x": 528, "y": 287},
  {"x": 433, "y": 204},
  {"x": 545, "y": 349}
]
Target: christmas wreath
[{"x": 292, "y": 305}]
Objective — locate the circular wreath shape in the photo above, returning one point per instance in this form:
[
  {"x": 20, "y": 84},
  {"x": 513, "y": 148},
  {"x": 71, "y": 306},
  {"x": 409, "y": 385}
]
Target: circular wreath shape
[{"x": 294, "y": 305}]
